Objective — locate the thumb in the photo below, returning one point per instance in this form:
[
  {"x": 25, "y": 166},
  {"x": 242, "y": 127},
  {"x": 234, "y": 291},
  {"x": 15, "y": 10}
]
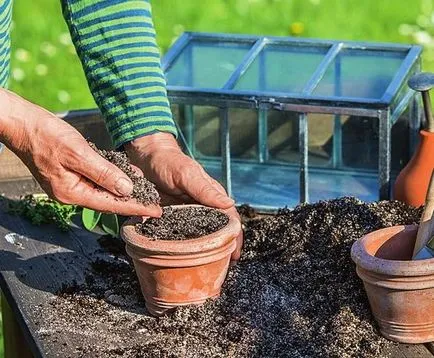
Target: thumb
[
  {"x": 205, "y": 191},
  {"x": 103, "y": 173}
]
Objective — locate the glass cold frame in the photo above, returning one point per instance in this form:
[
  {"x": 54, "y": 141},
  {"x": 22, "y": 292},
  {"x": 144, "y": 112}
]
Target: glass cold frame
[
  {"x": 360, "y": 74},
  {"x": 281, "y": 68},
  {"x": 353, "y": 96},
  {"x": 204, "y": 64}
]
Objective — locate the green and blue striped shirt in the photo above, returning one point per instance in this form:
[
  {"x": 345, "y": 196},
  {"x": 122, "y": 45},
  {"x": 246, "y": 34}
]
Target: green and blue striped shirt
[{"x": 115, "y": 40}]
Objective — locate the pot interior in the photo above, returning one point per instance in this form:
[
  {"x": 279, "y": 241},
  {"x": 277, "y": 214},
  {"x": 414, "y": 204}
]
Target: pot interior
[{"x": 398, "y": 246}]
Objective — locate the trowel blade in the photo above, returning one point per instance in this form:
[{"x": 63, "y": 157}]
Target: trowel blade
[{"x": 424, "y": 253}]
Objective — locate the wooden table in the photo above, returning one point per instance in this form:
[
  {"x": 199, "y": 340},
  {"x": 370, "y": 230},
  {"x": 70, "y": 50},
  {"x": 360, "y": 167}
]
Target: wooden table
[{"x": 35, "y": 262}]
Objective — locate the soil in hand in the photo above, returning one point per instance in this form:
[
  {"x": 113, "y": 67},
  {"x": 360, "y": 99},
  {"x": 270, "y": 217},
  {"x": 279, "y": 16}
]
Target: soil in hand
[
  {"x": 295, "y": 293},
  {"x": 183, "y": 223},
  {"x": 144, "y": 191}
]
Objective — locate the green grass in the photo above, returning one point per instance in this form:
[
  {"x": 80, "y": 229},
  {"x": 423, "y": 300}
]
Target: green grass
[{"x": 47, "y": 71}]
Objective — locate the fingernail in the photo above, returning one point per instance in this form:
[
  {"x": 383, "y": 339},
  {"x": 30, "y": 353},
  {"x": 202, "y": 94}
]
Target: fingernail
[
  {"x": 124, "y": 187},
  {"x": 152, "y": 211},
  {"x": 226, "y": 200},
  {"x": 157, "y": 211}
]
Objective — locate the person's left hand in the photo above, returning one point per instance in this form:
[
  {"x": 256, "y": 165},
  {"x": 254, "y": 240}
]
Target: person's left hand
[{"x": 179, "y": 179}]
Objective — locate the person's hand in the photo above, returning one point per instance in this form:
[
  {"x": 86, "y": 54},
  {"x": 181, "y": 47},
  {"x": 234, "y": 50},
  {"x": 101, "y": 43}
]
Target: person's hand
[
  {"x": 62, "y": 162},
  {"x": 179, "y": 179}
]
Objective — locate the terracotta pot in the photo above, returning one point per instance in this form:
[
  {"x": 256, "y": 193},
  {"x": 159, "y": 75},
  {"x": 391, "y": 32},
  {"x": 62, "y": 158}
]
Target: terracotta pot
[
  {"x": 180, "y": 272},
  {"x": 411, "y": 184},
  {"x": 400, "y": 291}
]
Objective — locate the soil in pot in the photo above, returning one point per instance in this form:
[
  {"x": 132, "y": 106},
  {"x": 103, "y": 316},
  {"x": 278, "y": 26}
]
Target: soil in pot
[
  {"x": 144, "y": 191},
  {"x": 183, "y": 223},
  {"x": 294, "y": 293},
  {"x": 182, "y": 258}
]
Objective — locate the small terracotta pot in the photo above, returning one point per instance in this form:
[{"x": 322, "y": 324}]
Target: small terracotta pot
[
  {"x": 412, "y": 182},
  {"x": 400, "y": 291},
  {"x": 180, "y": 272}
]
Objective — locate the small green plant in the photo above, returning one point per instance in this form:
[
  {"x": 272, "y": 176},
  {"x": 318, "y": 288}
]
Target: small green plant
[
  {"x": 92, "y": 219},
  {"x": 40, "y": 209}
]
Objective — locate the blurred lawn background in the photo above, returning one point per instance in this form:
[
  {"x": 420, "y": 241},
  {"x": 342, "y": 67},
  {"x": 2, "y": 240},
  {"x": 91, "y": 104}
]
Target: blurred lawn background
[
  {"x": 45, "y": 68},
  {"x": 46, "y": 71}
]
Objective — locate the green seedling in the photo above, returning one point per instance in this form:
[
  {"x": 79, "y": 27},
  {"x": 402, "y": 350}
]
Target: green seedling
[
  {"x": 92, "y": 220},
  {"x": 40, "y": 209}
]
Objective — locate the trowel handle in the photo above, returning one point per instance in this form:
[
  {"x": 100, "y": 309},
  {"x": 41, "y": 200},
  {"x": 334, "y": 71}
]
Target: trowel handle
[
  {"x": 423, "y": 82},
  {"x": 426, "y": 226}
]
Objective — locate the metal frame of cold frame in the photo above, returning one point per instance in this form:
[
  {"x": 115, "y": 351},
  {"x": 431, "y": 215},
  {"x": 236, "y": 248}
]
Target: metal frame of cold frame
[{"x": 387, "y": 109}]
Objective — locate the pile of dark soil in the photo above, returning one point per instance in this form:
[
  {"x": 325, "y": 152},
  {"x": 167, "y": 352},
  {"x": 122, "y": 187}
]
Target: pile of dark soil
[
  {"x": 143, "y": 190},
  {"x": 184, "y": 223},
  {"x": 294, "y": 293}
]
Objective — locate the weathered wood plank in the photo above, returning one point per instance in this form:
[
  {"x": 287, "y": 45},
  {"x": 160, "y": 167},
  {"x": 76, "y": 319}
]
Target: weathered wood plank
[
  {"x": 34, "y": 263},
  {"x": 15, "y": 345},
  {"x": 17, "y": 188},
  {"x": 411, "y": 351},
  {"x": 12, "y": 167},
  {"x": 430, "y": 347}
]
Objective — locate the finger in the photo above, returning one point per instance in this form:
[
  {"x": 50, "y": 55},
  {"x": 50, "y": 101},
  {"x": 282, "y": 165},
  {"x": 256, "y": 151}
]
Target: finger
[
  {"x": 104, "y": 201},
  {"x": 240, "y": 238},
  {"x": 237, "y": 252},
  {"x": 137, "y": 170},
  {"x": 166, "y": 199},
  {"x": 170, "y": 199},
  {"x": 196, "y": 184},
  {"x": 100, "y": 171},
  {"x": 217, "y": 185}
]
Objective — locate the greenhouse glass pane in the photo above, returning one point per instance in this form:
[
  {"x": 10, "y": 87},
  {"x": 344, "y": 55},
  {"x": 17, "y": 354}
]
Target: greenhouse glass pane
[
  {"x": 244, "y": 133},
  {"x": 283, "y": 141},
  {"x": 321, "y": 140},
  {"x": 326, "y": 186},
  {"x": 282, "y": 69},
  {"x": 206, "y": 131},
  {"x": 206, "y": 64},
  {"x": 360, "y": 74}
]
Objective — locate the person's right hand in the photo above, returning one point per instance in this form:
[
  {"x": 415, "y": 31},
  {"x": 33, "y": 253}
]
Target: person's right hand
[
  {"x": 178, "y": 178},
  {"x": 62, "y": 162}
]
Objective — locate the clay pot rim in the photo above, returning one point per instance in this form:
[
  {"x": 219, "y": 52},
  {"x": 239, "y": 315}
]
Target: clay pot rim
[
  {"x": 371, "y": 263},
  {"x": 205, "y": 243},
  {"x": 425, "y": 133}
]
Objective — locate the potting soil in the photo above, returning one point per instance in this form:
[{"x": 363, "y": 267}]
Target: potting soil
[
  {"x": 294, "y": 294},
  {"x": 143, "y": 190},
  {"x": 183, "y": 223}
]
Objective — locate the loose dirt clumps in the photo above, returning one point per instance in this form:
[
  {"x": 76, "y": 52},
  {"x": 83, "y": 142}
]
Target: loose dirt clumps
[
  {"x": 294, "y": 294},
  {"x": 143, "y": 190},
  {"x": 183, "y": 223}
]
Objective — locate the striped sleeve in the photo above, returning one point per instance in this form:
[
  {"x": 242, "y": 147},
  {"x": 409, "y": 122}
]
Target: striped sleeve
[
  {"x": 115, "y": 40},
  {"x": 5, "y": 41}
]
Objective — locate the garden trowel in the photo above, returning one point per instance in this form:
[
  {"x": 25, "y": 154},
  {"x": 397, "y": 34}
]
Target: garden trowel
[
  {"x": 427, "y": 252},
  {"x": 424, "y": 245},
  {"x": 412, "y": 183}
]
